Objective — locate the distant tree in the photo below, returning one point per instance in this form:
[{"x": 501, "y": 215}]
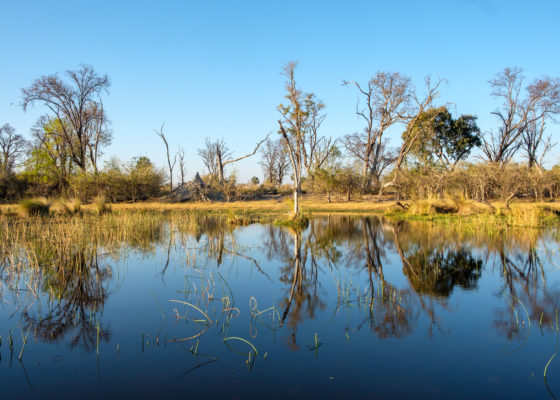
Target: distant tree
[
  {"x": 12, "y": 146},
  {"x": 444, "y": 141},
  {"x": 216, "y": 155},
  {"x": 347, "y": 181},
  {"x": 209, "y": 157},
  {"x": 519, "y": 112},
  {"x": 49, "y": 161},
  {"x": 143, "y": 179},
  {"x": 76, "y": 102},
  {"x": 170, "y": 164},
  {"x": 275, "y": 161},
  {"x": 387, "y": 101},
  {"x": 182, "y": 166},
  {"x": 535, "y": 143},
  {"x": 255, "y": 180}
]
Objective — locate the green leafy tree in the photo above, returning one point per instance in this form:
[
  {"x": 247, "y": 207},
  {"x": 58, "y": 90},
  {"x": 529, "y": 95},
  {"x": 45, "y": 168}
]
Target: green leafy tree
[{"x": 443, "y": 140}]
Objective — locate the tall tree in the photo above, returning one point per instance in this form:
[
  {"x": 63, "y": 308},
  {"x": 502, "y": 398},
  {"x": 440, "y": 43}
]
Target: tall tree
[
  {"x": 521, "y": 108},
  {"x": 387, "y": 101},
  {"x": 77, "y": 103},
  {"x": 293, "y": 125},
  {"x": 413, "y": 132},
  {"x": 12, "y": 147},
  {"x": 170, "y": 164}
]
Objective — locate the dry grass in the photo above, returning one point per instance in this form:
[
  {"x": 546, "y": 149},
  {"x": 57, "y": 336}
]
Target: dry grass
[
  {"x": 520, "y": 214},
  {"x": 269, "y": 206}
]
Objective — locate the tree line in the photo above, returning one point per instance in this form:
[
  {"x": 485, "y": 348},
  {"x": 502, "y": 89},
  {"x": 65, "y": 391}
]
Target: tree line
[{"x": 431, "y": 159}]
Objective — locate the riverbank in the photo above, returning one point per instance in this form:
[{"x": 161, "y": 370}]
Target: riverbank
[{"x": 519, "y": 214}]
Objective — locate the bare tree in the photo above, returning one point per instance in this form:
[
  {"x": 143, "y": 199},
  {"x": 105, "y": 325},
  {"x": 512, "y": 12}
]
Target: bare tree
[
  {"x": 12, "y": 146},
  {"x": 268, "y": 160},
  {"x": 356, "y": 146},
  {"x": 209, "y": 157},
  {"x": 216, "y": 155},
  {"x": 99, "y": 135},
  {"x": 387, "y": 99},
  {"x": 77, "y": 104},
  {"x": 182, "y": 167},
  {"x": 283, "y": 163},
  {"x": 293, "y": 127},
  {"x": 170, "y": 164},
  {"x": 275, "y": 161},
  {"x": 519, "y": 111},
  {"x": 535, "y": 144},
  {"x": 414, "y": 131}
]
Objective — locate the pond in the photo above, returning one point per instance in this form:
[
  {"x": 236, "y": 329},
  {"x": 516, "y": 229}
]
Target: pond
[{"x": 171, "y": 306}]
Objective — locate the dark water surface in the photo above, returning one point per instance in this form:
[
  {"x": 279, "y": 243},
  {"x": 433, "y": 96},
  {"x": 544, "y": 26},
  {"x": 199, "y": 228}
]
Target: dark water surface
[{"x": 350, "y": 307}]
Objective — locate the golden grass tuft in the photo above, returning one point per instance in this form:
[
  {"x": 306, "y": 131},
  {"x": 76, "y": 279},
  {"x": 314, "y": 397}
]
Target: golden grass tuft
[
  {"x": 68, "y": 207},
  {"x": 35, "y": 207},
  {"x": 100, "y": 205}
]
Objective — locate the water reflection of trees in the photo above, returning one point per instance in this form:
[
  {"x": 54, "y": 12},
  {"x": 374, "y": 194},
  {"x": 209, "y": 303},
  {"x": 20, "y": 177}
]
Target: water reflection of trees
[
  {"x": 525, "y": 288},
  {"x": 300, "y": 274},
  {"x": 434, "y": 261},
  {"x": 76, "y": 291}
]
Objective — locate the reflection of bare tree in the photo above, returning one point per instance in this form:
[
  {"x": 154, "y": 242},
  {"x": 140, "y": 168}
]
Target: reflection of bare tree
[
  {"x": 390, "y": 310},
  {"x": 303, "y": 298},
  {"x": 77, "y": 291},
  {"x": 525, "y": 291},
  {"x": 303, "y": 294}
]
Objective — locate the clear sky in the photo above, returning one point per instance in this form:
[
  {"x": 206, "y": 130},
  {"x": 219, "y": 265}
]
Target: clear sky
[{"x": 213, "y": 68}]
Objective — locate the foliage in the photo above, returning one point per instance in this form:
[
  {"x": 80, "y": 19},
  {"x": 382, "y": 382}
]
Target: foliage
[{"x": 443, "y": 140}]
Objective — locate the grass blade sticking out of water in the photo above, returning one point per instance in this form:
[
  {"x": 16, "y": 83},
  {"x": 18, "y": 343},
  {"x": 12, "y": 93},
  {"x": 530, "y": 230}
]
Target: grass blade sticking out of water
[
  {"x": 547, "y": 364},
  {"x": 159, "y": 307},
  {"x": 24, "y": 339},
  {"x": 243, "y": 340},
  {"x": 200, "y": 311}
]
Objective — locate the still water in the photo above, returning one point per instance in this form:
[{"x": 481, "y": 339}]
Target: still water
[{"x": 349, "y": 307}]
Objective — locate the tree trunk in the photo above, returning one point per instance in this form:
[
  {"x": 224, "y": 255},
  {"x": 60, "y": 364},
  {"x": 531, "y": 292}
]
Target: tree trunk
[
  {"x": 296, "y": 201},
  {"x": 220, "y": 167}
]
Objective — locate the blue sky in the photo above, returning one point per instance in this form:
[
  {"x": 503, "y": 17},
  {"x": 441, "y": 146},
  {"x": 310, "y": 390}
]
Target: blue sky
[{"x": 213, "y": 68}]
